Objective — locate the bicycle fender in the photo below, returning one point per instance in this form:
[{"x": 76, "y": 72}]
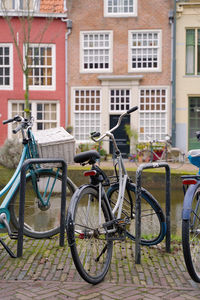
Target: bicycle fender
[
  {"x": 187, "y": 203},
  {"x": 147, "y": 196}
]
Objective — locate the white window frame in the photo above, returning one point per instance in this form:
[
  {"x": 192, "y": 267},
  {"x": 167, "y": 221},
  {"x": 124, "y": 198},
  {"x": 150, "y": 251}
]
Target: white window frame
[
  {"x": 16, "y": 6},
  {"x": 120, "y": 14},
  {"x": 159, "y": 47},
  {"x": 166, "y": 88},
  {"x": 120, "y": 104},
  {"x": 10, "y": 86},
  {"x": 33, "y": 112},
  {"x": 110, "y": 48},
  {"x": 74, "y": 89},
  {"x": 53, "y": 66}
]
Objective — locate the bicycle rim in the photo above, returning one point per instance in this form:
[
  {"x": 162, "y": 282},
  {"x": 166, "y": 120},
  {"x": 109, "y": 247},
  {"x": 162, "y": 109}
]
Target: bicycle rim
[
  {"x": 175, "y": 160},
  {"x": 191, "y": 239},
  {"x": 153, "y": 225},
  {"x": 41, "y": 221},
  {"x": 91, "y": 250}
]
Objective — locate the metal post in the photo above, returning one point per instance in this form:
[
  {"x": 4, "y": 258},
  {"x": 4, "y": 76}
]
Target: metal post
[
  {"x": 22, "y": 199},
  {"x": 138, "y": 207}
]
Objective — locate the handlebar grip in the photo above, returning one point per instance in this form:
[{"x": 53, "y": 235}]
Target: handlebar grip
[
  {"x": 95, "y": 134},
  {"x": 18, "y": 128},
  {"x": 8, "y": 121},
  {"x": 132, "y": 109}
]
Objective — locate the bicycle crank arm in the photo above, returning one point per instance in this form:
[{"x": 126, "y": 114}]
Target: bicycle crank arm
[{"x": 4, "y": 221}]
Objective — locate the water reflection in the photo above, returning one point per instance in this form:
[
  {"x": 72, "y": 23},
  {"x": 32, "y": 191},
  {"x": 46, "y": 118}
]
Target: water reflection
[{"x": 156, "y": 185}]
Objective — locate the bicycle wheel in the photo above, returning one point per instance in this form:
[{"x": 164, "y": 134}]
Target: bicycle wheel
[
  {"x": 191, "y": 238},
  {"x": 143, "y": 156},
  {"x": 41, "y": 221},
  {"x": 153, "y": 225},
  {"x": 175, "y": 158},
  {"x": 91, "y": 247}
]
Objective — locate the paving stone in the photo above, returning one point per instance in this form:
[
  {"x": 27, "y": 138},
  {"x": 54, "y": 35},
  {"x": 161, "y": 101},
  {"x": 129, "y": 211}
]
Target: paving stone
[{"x": 48, "y": 272}]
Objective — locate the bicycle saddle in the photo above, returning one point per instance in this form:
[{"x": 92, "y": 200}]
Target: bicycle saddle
[{"x": 90, "y": 156}]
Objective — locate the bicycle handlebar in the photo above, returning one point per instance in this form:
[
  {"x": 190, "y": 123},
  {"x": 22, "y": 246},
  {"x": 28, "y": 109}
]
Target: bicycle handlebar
[
  {"x": 25, "y": 123},
  {"x": 132, "y": 110},
  {"x": 97, "y": 134},
  {"x": 18, "y": 128},
  {"x": 16, "y": 118}
]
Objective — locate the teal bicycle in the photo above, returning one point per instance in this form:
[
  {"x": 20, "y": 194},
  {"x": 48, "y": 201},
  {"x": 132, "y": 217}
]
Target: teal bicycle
[{"x": 43, "y": 191}]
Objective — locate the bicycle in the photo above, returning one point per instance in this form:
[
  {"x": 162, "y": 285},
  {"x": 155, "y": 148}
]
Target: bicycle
[
  {"x": 191, "y": 217},
  {"x": 160, "y": 151},
  {"x": 43, "y": 191},
  {"x": 96, "y": 217}
]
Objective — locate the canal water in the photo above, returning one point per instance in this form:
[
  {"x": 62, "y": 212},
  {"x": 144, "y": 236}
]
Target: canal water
[{"x": 155, "y": 184}]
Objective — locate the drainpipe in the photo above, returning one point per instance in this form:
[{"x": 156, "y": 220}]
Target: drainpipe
[
  {"x": 69, "y": 27},
  {"x": 172, "y": 20}
]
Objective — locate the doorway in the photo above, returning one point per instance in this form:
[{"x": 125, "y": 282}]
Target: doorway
[{"x": 120, "y": 134}]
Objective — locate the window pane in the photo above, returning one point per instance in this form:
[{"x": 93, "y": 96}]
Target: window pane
[
  {"x": 145, "y": 50},
  {"x": 120, "y": 6},
  {"x": 46, "y": 115},
  {"x": 152, "y": 118},
  {"x": 87, "y": 113},
  {"x": 96, "y": 53},
  {"x": 117, "y": 100},
  {"x": 5, "y": 66},
  {"x": 190, "y": 51},
  {"x": 40, "y": 60}
]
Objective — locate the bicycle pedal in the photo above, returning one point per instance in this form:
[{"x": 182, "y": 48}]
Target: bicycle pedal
[
  {"x": 123, "y": 222},
  {"x": 13, "y": 236}
]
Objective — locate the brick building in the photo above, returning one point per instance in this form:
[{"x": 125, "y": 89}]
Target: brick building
[
  {"x": 47, "y": 63},
  {"x": 119, "y": 56}
]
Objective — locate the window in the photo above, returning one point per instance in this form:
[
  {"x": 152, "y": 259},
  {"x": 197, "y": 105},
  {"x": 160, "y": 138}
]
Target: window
[
  {"x": 6, "y": 66},
  {"x": 192, "y": 51},
  {"x": 86, "y": 113},
  {"x": 153, "y": 114},
  {"x": 119, "y": 99},
  {"x": 18, "y": 5},
  {"x": 120, "y": 8},
  {"x": 41, "y": 64},
  {"x": 46, "y": 113},
  {"x": 145, "y": 51},
  {"x": 96, "y": 52}
]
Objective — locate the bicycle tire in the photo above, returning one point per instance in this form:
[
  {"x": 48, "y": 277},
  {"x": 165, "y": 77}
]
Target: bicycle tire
[
  {"x": 153, "y": 224},
  {"x": 191, "y": 238},
  {"x": 91, "y": 250},
  {"x": 40, "y": 222},
  {"x": 143, "y": 156},
  {"x": 175, "y": 161}
]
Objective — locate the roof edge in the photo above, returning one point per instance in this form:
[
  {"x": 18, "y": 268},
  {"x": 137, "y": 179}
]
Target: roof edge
[{"x": 33, "y": 15}]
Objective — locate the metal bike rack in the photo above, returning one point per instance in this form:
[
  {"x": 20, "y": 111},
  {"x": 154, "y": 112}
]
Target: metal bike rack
[
  {"x": 138, "y": 206},
  {"x": 22, "y": 199}
]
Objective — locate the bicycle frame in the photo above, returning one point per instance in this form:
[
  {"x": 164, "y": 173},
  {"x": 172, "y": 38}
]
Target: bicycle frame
[
  {"x": 29, "y": 151},
  {"x": 154, "y": 154},
  {"x": 122, "y": 174}
]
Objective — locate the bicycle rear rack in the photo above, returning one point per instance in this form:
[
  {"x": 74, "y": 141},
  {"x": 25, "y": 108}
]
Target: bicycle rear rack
[
  {"x": 22, "y": 203},
  {"x": 138, "y": 206}
]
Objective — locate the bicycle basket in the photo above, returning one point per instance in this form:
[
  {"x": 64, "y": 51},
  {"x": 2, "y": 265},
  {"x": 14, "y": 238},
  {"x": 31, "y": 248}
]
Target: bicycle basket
[
  {"x": 55, "y": 143},
  {"x": 194, "y": 157}
]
